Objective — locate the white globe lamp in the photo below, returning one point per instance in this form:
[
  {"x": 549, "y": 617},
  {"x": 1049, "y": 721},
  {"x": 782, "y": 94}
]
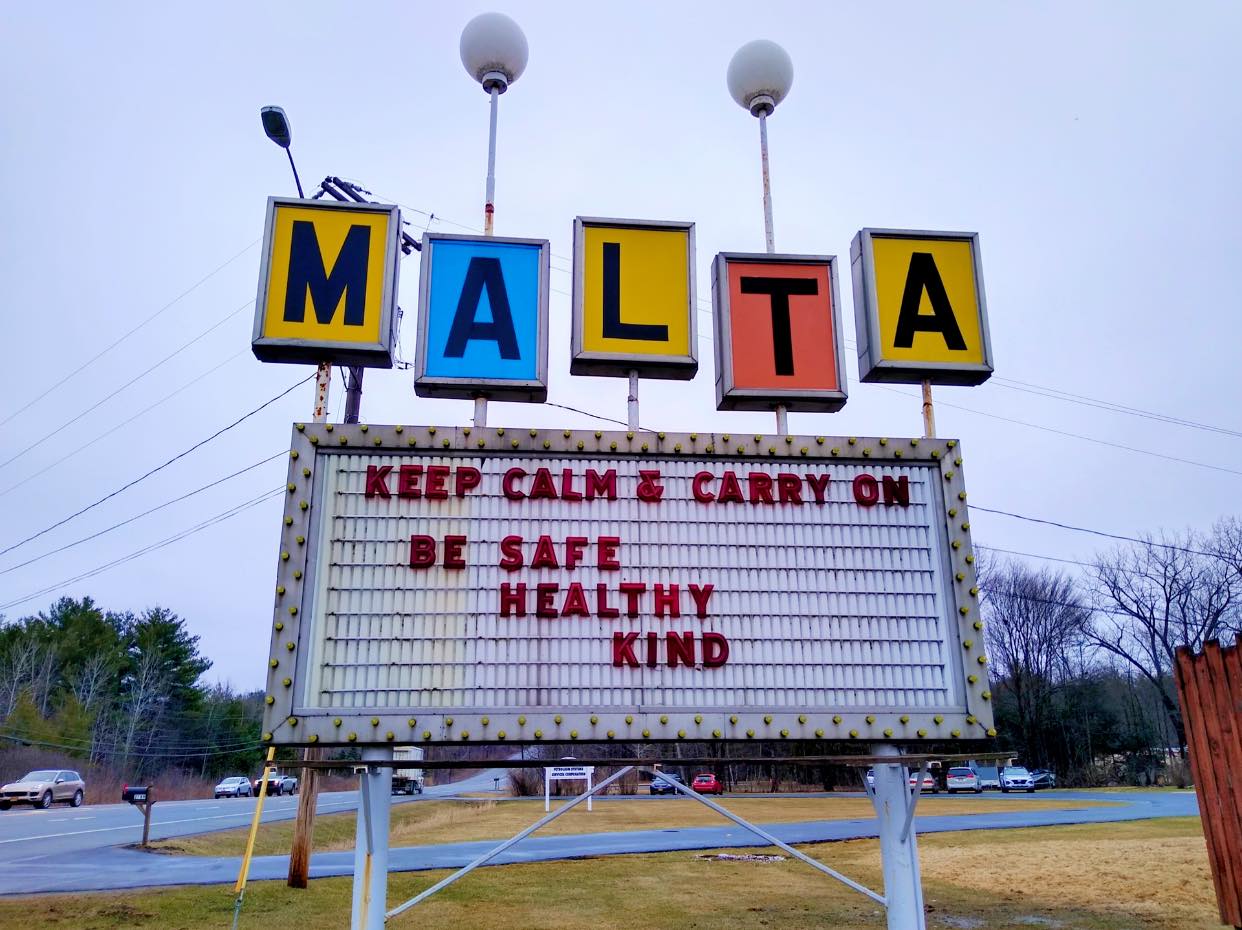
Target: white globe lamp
[
  {"x": 759, "y": 76},
  {"x": 494, "y": 51}
]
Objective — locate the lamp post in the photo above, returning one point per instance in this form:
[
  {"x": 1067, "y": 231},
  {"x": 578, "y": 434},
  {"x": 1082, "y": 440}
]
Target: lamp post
[
  {"x": 494, "y": 52},
  {"x": 276, "y": 125},
  {"x": 759, "y": 77}
]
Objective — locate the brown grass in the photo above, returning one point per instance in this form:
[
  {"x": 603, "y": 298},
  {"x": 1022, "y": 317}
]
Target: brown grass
[
  {"x": 427, "y": 822},
  {"x": 1146, "y": 875}
]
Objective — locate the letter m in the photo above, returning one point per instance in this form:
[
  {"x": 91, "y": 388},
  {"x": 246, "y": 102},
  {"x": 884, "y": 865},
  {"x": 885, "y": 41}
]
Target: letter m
[{"x": 308, "y": 273}]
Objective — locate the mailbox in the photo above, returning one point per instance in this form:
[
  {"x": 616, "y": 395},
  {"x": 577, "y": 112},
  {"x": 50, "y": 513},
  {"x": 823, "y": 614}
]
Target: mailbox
[{"x": 136, "y": 794}]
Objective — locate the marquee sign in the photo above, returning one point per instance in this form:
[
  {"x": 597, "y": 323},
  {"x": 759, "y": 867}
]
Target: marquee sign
[
  {"x": 778, "y": 332},
  {"x": 489, "y": 585},
  {"x": 327, "y": 283},
  {"x": 919, "y": 307},
  {"x": 634, "y": 304},
  {"x": 483, "y": 318}
]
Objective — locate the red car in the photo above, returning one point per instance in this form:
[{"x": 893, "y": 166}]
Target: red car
[{"x": 707, "y": 783}]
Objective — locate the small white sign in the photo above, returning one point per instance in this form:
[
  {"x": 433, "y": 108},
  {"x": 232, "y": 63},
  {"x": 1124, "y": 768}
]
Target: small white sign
[{"x": 570, "y": 772}]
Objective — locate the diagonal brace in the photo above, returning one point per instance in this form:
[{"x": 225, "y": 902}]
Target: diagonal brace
[
  {"x": 914, "y": 799},
  {"x": 493, "y": 853},
  {"x": 768, "y": 837}
]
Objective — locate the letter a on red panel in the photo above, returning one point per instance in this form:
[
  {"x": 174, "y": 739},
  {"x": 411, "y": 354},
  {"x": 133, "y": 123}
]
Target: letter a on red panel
[{"x": 778, "y": 336}]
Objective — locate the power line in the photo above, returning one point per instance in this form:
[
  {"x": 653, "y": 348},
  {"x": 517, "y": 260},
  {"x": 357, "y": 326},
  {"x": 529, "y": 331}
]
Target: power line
[
  {"x": 80, "y": 368},
  {"x": 180, "y": 455},
  {"x": 145, "y": 513},
  {"x": 1032, "y": 555},
  {"x": 220, "y": 517},
  {"x": 111, "y": 431},
  {"x": 1082, "y": 529},
  {"x": 244, "y": 747},
  {"x": 1061, "y": 432},
  {"x": 133, "y": 380}
]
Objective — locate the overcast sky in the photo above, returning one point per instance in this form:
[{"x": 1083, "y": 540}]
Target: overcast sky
[{"x": 1094, "y": 147}]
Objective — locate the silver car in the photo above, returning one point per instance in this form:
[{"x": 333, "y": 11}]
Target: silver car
[
  {"x": 44, "y": 787},
  {"x": 238, "y": 786}
]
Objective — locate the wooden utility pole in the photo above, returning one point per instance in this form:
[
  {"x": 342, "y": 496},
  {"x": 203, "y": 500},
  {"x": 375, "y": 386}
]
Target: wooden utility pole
[{"x": 304, "y": 825}]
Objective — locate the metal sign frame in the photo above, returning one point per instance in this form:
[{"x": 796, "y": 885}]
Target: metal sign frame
[
  {"x": 314, "y": 351},
  {"x": 731, "y": 397},
  {"x": 510, "y": 389},
  {"x": 288, "y": 720},
  {"x": 616, "y": 364},
  {"x": 872, "y": 366}
]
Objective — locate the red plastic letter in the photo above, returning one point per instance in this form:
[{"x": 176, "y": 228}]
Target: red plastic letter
[
  {"x": 896, "y": 491},
  {"x": 631, "y": 590},
  {"x": 407, "y": 481},
  {"x": 575, "y": 602},
  {"x": 699, "y": 487},
  {"x": 575, "y": 546},
  {"x": 545, "y": 554},
  {"x": 730, "y": 490},
  {"x": 680, "y": 647},
  {"x": 422, "y": 552},
  {"x": 375, "y": 480},
  {"x": 511, "y": 553},
  {"x": 819, "y": 486},
  {"x": 623, "y": 650},
  {"x": 866, "y": 490},
  {"x": 668, "y": 600},
  {"x": 543, "y": 488},
  {"x": 608, "y": 546},
  {"x": 760, "y": 488},
  {"x": 513, "y": 600},
  {"x": 602, "y": 610},
  {"x": 789, "y": 488},
  {"x": 509, "y": 484},
  {"x": 701, "y": 594},
  {"x": 468, "y": 478},
  {"x": 453, "y": 556},
  {"x": 544, "y": 592},
  {"x": 604, "y": 485},
  {"x": 715, "y": 650},
  {"x": 437, "y": 482}
]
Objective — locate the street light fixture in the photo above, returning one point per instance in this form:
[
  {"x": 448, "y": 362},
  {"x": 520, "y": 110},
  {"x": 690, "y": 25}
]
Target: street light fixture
[
  {"x": 276, "y": 125},
  {"x": 759, "y": 77},
  {"x": 494, "y": 52}
]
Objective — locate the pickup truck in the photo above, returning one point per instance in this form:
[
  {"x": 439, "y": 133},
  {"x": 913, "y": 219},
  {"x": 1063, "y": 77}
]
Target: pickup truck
[{"x": 277, "y": 784}]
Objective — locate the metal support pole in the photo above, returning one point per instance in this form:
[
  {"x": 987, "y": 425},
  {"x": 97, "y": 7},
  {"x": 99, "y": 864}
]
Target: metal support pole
[
  {"x": 371, "y": 842},
  {"x": 489, "y": 208},
  {"x": 632, "y": 408},
  {"x": 480, "y": 411},
  {"x": 767, "y": 183},
  {"x": 899, "y": 855},
  {"x": 493, "y": 853},
  {"x": 323, "y": 382},
  {"x": 547, "y": 790},
  {"x": 769, "y": 238},
  {"x": 929, "y": 412},
  {"x": 769, "y": 838},
  {"x": 782, "y": 420},
  {"x": 353, "y": 393}
]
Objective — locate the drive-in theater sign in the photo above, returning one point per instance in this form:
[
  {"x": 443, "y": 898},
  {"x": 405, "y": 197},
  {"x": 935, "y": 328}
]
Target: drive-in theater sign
[{"x": 495, "y": 585}]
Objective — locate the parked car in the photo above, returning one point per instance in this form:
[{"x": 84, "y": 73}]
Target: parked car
[
  {"x": 707, "y": 783},
  {"x": 1043, "y": 778},
  {"x": 43, "y": 787},
  {"x": 663, "y": 787},
  {"x": 1016, "y": 778},
  {"x": 989, "y": 776},
  {"x": 235, "y": 786},
  {"x": 963, "y": 779},
  {"x": 277, "y": 784},
  {"x": 929, "y": 782}
]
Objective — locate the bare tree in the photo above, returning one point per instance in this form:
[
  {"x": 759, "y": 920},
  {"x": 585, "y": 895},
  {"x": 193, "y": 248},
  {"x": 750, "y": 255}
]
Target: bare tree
[
  {"x": 1036, "y": 624},
  {"x": 1163, "y": 593}
]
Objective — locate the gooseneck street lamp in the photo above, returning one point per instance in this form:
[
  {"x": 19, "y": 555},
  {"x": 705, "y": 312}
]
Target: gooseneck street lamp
[
  {"x": 759, "y": 77},
  {"x": 276, "y": 125}
]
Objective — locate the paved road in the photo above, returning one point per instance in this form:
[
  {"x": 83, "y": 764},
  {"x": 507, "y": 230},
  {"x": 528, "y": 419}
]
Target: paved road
[
  {"x": 102, "y": 868},
  {"x": 41, "y": 836}
]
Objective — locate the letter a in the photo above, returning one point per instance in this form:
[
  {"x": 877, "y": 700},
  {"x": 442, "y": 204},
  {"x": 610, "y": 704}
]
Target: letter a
[
  {"x": 924, "y": 275},
  {"x": 483, "y": 273}
]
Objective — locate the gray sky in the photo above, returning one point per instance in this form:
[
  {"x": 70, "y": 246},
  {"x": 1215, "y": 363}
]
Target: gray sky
[{"x": 1095, "y": 147}]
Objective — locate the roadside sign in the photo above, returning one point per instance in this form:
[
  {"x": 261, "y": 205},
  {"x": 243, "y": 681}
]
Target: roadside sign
[
  {"x": 327, "y": 283},
  {"x": 634, "y": 304},
  {"x": 501, "y": 585},
  {"x": 483, "y": 318},
  {"x": 569, "y": 772},
  {"x": 778, "y": 332},
  {"x": 919, "y": 307}
]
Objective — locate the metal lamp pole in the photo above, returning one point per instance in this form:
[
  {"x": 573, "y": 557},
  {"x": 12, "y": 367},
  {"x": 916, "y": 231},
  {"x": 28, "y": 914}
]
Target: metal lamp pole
[
  {"x": 759, "y": 77},
  {"x": 494, "y": 52}
]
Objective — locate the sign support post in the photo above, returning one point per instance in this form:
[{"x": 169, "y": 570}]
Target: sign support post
[
  {"x": 894, "y": 801},
  {"x": 371, "y": 841},
  {"x": 929, "y": 411}
]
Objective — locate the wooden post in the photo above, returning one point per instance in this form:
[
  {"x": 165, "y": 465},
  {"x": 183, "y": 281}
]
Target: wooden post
[
  {"x": 1209, "y": 687},
  {"x": 146, "y": 821},
  {"x": 304, "y": 825}
]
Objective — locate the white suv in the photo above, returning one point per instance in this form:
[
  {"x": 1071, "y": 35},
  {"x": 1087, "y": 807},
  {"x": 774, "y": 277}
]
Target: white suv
[{"x": 1016, "y": 778}]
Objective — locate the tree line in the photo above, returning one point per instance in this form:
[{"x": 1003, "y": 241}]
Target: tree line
[
  {"x": 1082, "y": 666},
  {"x": 122, "y": 690}
]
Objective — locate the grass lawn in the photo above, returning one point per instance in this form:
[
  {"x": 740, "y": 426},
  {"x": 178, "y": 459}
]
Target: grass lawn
[
  {"x": 426, "y": 822},
  {"x": 1150, "y": 874}
]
